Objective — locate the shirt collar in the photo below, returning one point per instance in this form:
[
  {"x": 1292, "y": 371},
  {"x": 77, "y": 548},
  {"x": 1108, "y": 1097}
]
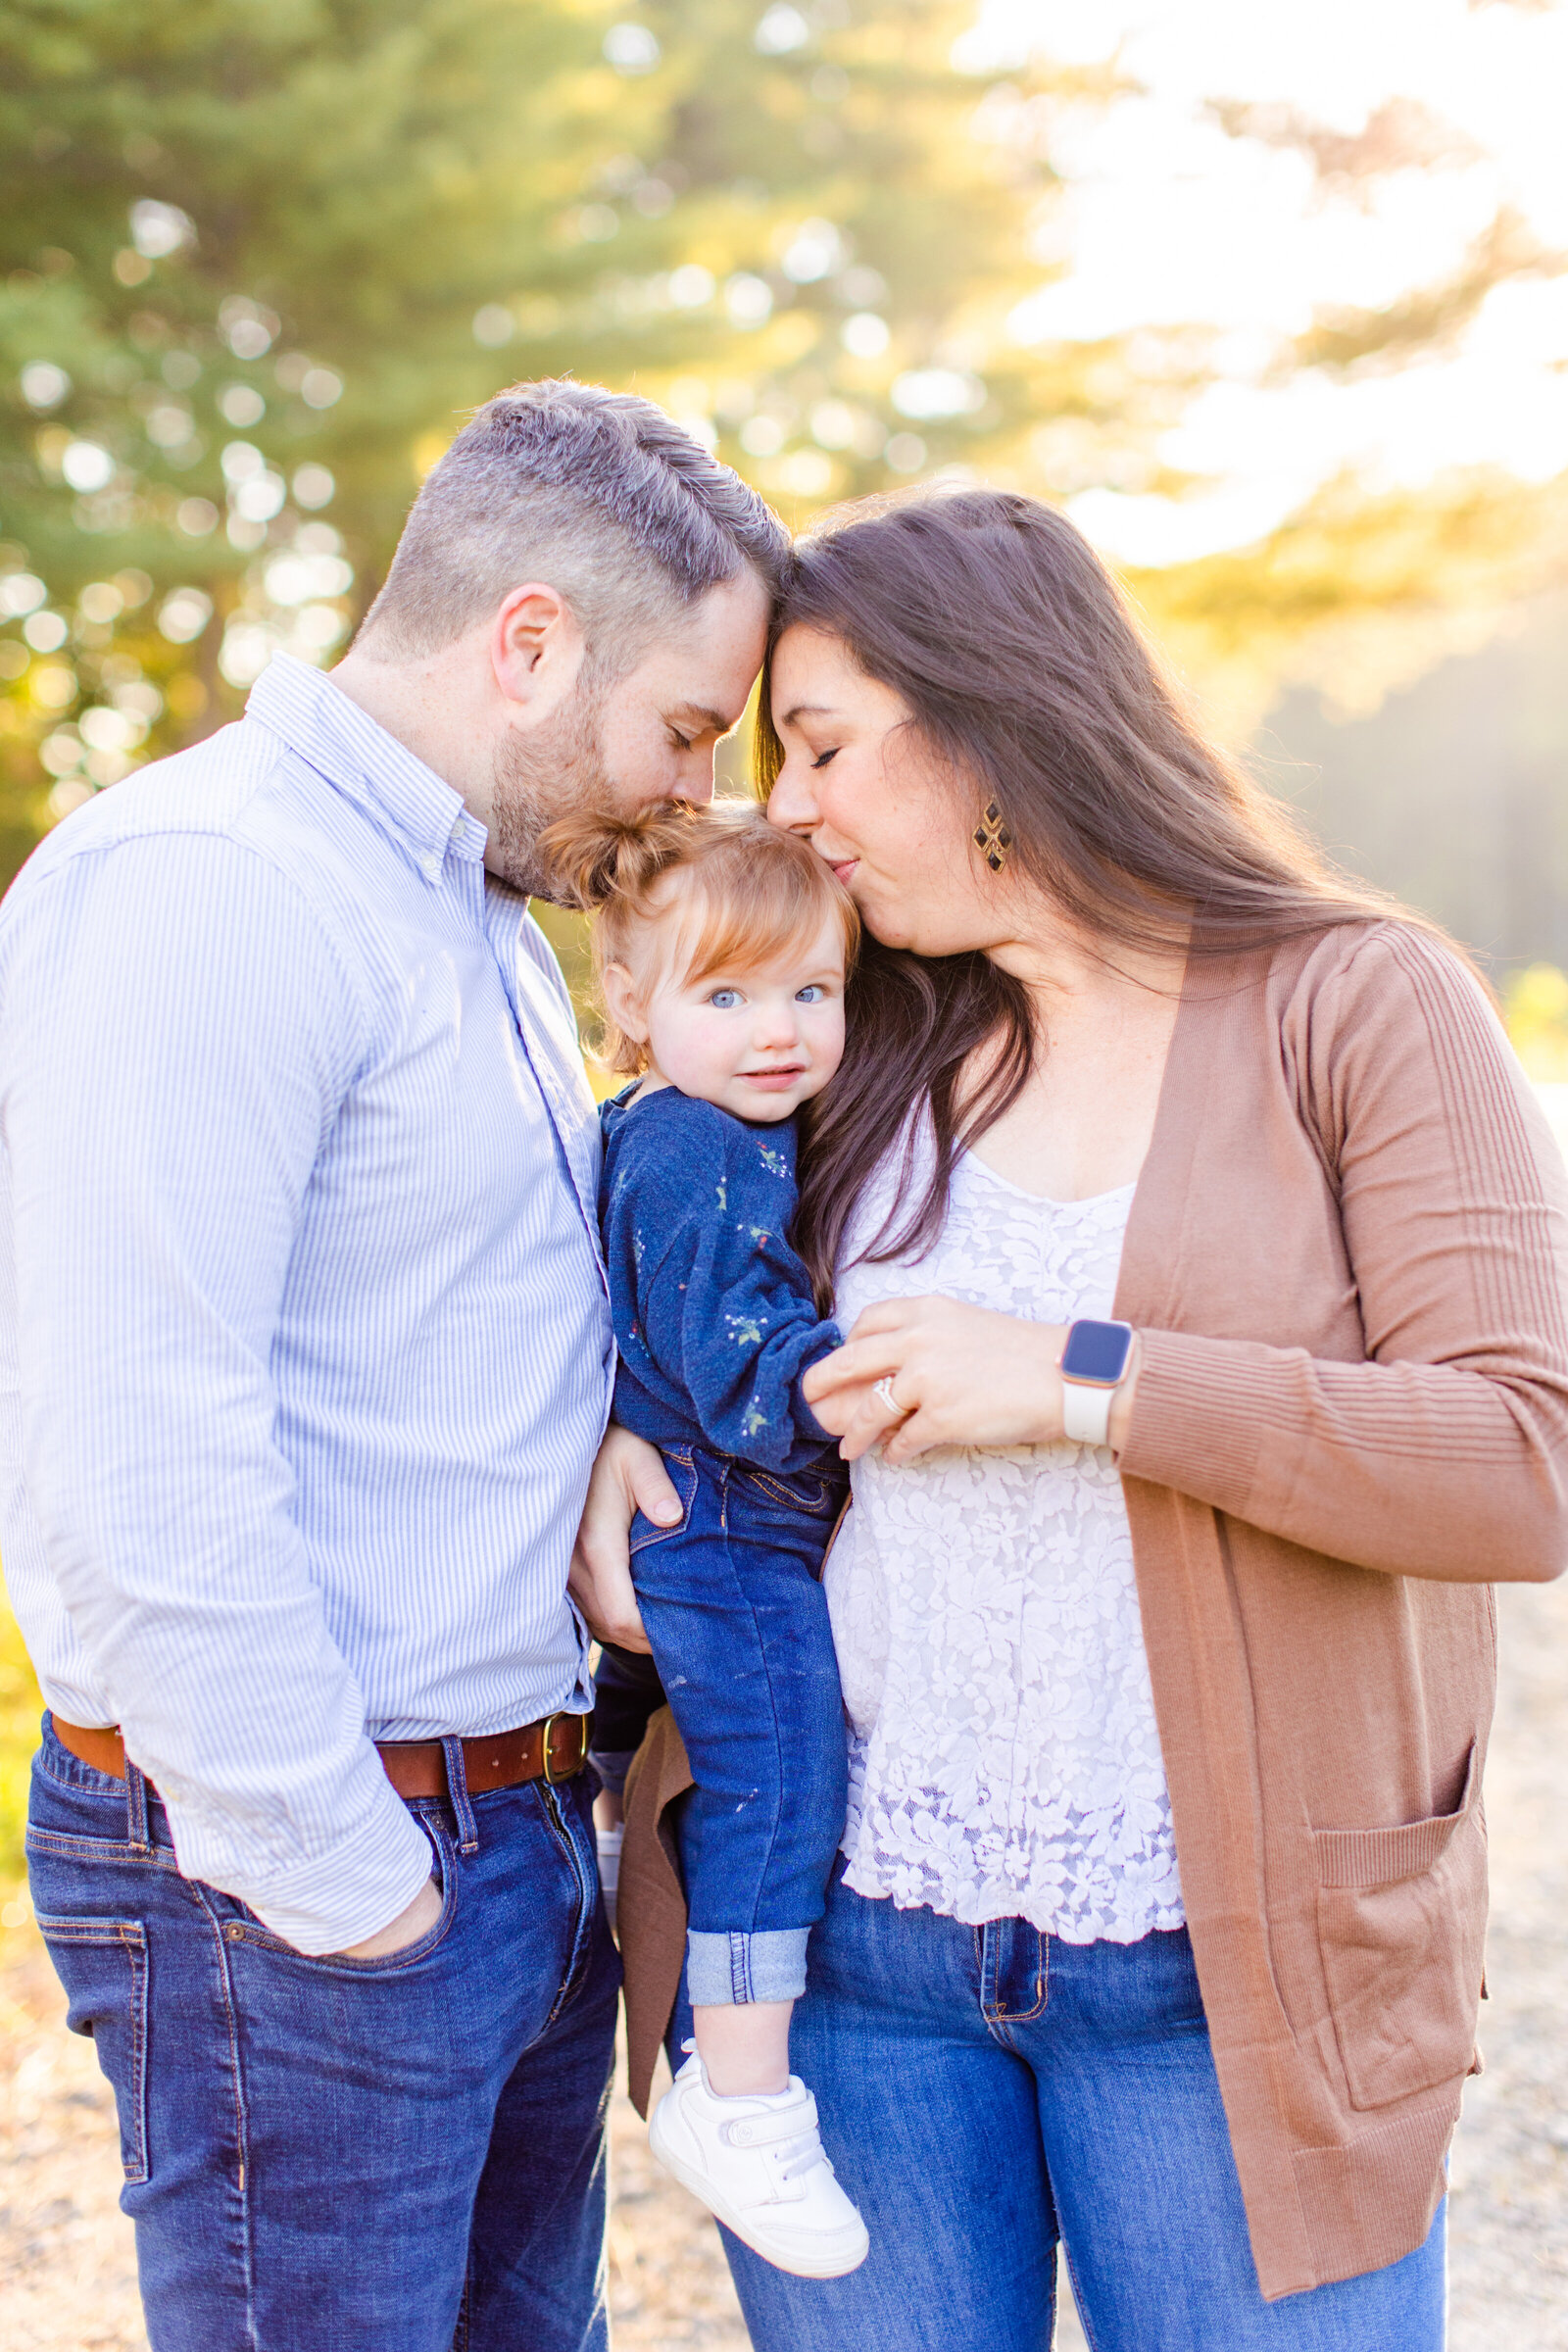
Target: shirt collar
[{"x": 346, "y": 745}]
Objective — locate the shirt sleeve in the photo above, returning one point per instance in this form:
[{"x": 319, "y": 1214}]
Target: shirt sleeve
[
  {"x": 179, "y": 1039},
  {"x": 728, "y": 1314},
  {"x": 1445, "y": 1453}
]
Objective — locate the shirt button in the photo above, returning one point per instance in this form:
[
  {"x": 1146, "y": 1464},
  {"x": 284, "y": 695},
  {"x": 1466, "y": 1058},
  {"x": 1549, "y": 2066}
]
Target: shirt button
[{"x": 430, "y": 866}]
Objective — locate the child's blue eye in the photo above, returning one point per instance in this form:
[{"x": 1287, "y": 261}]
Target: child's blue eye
[
  {"x": 813, "y": 994},
  {"x": 724, "y": 999}
]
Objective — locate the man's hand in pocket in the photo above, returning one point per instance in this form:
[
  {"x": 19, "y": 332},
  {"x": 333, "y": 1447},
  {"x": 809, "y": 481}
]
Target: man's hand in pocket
[{"x": 398, "y": 1934}]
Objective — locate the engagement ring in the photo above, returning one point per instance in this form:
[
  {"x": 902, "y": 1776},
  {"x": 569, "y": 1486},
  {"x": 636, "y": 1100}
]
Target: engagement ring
[{"x": 883, "y": 1391}]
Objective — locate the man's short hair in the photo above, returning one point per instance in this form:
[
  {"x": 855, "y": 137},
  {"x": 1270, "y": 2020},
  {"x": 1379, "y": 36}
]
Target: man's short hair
[{"x": 599, "y": 494}]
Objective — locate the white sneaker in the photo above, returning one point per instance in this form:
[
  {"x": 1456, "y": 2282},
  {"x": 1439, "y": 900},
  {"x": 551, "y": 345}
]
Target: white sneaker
[{"x": 758, "y": 2163}]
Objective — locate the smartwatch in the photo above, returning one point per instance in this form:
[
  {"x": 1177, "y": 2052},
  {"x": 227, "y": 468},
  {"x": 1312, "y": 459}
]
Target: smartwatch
[{"x": 1094, "y": 1365}]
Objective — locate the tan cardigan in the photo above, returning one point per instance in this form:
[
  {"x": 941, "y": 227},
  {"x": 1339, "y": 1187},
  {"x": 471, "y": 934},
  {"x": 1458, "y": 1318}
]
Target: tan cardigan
[{"x": 1347, "y": 1259}]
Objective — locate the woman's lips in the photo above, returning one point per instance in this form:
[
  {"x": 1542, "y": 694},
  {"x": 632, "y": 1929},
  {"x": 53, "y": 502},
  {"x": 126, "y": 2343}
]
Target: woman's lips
[{"x": 844, "y": 868}]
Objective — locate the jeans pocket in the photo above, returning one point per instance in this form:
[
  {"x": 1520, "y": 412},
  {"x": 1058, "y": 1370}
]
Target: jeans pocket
[
  {"x": 242, "y": 1925},
  {"x": 102, "y": 1963},
  {"x": 681, "y": 1471},
  {"x": 809, "y": 1490}
]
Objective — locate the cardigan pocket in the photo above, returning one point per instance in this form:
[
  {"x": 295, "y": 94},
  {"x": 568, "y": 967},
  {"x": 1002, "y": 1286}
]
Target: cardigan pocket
[{"x": 1402, "y": 1919}]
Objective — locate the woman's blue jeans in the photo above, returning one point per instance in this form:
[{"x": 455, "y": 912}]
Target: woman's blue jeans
[
  {"x": 738, "y": 1624},
  {"x": 404, "y": 2155},
  {"x": 984, "y": 2091}
]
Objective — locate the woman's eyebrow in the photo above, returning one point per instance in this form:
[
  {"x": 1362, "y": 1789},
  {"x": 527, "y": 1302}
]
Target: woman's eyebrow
[{"x": 808, "y": 711}]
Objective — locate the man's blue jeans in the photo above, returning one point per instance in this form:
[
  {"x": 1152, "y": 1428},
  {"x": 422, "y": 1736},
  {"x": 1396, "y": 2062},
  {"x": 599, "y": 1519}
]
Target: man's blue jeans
[
  {"x": 738, "y": 1624},
  {"x": 985, "y": 2089},
  {"x": 404, "y": 2155}
]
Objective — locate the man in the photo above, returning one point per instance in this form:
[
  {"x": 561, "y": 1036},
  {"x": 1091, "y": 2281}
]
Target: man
[{"x": 304, "y": 1361}]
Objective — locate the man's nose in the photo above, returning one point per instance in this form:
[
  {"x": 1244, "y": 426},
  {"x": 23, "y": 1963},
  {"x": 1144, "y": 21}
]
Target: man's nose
[{"x": 698, "y": 788}]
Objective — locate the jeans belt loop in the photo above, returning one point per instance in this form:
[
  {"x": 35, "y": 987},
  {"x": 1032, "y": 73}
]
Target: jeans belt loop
[
  {"x": 136, "y": 1808},
  {"x": 457, "y": 1794}
]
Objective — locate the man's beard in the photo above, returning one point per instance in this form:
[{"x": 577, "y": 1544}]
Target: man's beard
[{"x": 556, "y": 770}]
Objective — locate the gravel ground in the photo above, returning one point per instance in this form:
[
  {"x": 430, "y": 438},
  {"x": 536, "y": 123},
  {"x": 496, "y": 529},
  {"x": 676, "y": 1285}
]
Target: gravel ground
[{"x": 67, "y": 2272}]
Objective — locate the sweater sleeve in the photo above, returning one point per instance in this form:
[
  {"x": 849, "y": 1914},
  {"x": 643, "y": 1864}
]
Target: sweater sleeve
[
  {"x": 1444, "y": 1453},
  {"x": 728, "y": 1314}
]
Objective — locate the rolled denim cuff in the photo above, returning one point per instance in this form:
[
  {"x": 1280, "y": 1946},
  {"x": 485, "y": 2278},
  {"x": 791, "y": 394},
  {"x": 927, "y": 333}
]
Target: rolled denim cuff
[{"x": 769, "y": 1965}]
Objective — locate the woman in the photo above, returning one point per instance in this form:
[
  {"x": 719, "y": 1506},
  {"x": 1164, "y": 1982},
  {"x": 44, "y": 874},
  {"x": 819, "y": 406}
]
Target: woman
[{"x": 1161, "y": 1915}]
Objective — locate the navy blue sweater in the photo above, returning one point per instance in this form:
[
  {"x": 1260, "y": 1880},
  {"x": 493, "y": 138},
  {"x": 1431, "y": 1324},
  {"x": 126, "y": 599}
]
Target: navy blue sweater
[{"x": 713, "y": 1314}]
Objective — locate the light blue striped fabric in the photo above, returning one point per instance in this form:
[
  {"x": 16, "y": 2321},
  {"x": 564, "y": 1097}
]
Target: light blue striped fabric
[{"x": 303, "y": 1344}]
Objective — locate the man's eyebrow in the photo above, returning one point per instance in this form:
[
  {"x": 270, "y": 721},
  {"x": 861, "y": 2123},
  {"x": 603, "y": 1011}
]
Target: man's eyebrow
[{"x": 709, "y": 716}]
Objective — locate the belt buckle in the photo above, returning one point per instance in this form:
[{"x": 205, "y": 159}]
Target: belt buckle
[{"x": 561, "y": 1715}]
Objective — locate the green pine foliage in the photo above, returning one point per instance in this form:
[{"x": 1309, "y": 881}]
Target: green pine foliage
[{"x": 258, "y": 262}]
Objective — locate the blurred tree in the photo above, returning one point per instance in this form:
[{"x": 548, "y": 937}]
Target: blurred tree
[
  {"x": 1451, "y": 794},
  {"x": 259, "y": 262},
  {"x": 245, "y": 250},
  {"x": 256, "y": 263}
]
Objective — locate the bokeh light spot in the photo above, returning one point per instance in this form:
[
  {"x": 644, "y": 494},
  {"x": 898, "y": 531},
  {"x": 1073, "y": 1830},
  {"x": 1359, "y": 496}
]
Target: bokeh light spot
[
  {"x": 184, "y": 614},
  {"x": 781, "y": 29},
  {"x": 632, "y": 49},
  {"x": 313, "y": 486},
  {"x": 87, "y": 465},
  {"x": 43, "y": 384}
]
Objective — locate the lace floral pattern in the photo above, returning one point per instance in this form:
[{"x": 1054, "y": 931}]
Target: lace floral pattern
[{"x": 1005, "y": 1760}]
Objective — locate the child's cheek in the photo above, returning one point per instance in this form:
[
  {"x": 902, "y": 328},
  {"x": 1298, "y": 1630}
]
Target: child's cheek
[
  {"x": 827, "y": 1037},
  {"x": 698, "y": 1053}
]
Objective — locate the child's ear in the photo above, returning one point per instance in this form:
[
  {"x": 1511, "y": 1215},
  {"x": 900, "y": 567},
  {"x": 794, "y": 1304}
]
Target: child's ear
[{"x": 623, "y": 1003}]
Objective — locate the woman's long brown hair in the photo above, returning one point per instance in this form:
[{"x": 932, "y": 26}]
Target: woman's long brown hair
[{"x": 1026, "y": 678}]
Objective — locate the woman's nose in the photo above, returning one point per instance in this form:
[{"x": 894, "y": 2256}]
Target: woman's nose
[{"x": 792, "y": 804}]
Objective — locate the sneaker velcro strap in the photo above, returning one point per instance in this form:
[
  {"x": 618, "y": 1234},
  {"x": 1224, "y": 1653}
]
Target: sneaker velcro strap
[{"x": 765, "y": 2131}]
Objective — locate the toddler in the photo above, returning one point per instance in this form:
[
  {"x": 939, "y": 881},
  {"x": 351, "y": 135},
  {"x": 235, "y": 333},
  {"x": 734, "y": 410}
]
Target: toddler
[{"x": 720, "y": 947}]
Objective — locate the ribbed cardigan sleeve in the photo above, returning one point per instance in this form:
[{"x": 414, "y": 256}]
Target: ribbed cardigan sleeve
[{"x": 1444, "y": 1453}]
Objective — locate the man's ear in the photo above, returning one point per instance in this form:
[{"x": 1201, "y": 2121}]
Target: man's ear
[
  {"x": 624, "y": 1004},
  {"x": 536, "y": 650}
]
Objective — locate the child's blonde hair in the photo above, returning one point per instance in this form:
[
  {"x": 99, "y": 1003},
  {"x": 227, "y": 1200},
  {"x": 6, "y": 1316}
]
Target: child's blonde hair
[{"x": 745, "y": 891}]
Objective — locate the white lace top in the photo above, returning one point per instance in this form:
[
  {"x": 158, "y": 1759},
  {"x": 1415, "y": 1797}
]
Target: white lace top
[{"x": 1003, "y": 1758}]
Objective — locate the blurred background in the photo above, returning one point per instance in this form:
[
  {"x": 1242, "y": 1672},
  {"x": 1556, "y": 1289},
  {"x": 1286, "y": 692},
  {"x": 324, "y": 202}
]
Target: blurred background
[{"x": 1274, "y": 300}]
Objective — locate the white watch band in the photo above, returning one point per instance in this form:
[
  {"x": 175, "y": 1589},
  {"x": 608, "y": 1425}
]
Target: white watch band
[{"x": 1086, "y": 1412}]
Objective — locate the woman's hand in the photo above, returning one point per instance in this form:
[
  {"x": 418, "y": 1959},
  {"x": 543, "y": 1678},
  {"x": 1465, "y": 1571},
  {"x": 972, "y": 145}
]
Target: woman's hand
[
  {"x": 958, "y": 1376},
  {"x": 628, "y": 1477}
]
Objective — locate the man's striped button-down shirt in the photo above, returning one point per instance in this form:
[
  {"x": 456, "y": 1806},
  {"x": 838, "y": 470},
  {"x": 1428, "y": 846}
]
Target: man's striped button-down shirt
[{"x": 303, "y": 1344}]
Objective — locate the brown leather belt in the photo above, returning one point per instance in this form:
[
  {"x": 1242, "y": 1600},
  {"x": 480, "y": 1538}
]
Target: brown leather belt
[{"x": 555, "y": 1748}]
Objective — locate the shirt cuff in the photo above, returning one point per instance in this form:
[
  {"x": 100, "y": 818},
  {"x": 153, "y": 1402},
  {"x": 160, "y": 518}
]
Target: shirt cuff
[{"x": 339, "y": 1893}]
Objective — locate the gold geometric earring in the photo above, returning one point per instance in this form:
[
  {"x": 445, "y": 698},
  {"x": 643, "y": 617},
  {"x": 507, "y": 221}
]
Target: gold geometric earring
[{"x": 993, "y": 838}]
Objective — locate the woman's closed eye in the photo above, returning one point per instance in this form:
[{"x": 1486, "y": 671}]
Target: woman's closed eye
[{"x": 822, "y": 757}]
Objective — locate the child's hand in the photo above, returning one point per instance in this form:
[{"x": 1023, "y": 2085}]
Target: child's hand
[{"x": 628, "y": 1477}]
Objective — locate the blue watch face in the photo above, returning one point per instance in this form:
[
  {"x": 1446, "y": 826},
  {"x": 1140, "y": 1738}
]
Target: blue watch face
[{"x": 1098, "y": 1351}]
